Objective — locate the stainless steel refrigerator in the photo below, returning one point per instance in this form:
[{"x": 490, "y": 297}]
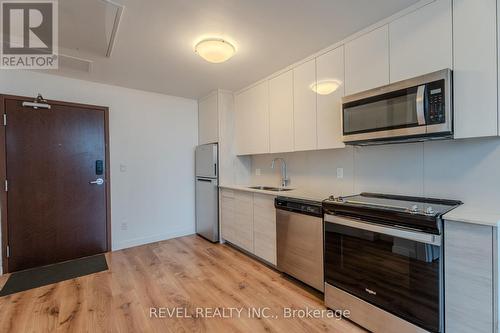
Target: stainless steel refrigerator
[{"x": 207, "y": 198}]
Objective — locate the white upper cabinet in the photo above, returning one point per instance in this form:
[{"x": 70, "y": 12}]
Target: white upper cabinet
[
  {"x": 281, "y": 113},
  {"x": 208, "y": 120},
  {"x": 475, "y": 68},
  {"x": 367, "y": 61},
  {"x": 421, "y": 41},
  {"x": 252, "y": 120},
  {"x": 330, "y": 76},
  {"x": 286, "y": 114},
  {"x": 304, "y": 106}
]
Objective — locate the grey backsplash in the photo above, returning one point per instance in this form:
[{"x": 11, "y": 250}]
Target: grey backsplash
[{"x": 468, "y": 170}]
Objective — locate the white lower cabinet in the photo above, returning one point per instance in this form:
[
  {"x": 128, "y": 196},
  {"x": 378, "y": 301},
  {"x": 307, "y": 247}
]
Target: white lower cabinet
[
  {"x": 228, "y": 230},
  {"x": 243, "y": 220},
  {"x": 470, "y": 274},
  {"x": 248, "y": 220},
  {"x": 264, "y": 227},
  {"x": 237, "y": 218}
]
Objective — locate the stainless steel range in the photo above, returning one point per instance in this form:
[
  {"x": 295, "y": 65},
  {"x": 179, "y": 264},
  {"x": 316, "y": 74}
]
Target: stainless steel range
[{"x": 384, "y": 260}]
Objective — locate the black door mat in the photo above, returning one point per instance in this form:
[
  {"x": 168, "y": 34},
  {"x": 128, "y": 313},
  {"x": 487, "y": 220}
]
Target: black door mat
[{"x": 42, "y": 276}]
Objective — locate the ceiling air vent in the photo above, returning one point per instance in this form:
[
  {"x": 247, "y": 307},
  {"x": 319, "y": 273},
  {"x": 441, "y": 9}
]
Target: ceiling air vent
[{"x": 74, "y": 64}]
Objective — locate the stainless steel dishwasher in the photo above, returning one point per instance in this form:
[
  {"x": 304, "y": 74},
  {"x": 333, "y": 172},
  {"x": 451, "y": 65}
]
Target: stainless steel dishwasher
[{"x": 299, "y": 230}]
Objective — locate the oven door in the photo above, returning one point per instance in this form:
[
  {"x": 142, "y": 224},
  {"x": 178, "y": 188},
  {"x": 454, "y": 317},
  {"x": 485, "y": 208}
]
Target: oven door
[{"x": 397, "y": 270}]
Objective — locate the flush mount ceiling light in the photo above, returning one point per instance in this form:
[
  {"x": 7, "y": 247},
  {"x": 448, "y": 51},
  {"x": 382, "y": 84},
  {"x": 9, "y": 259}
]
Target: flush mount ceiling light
[
  {"x": 215, "y": 50},
  {"x": 325, "y": 87}
]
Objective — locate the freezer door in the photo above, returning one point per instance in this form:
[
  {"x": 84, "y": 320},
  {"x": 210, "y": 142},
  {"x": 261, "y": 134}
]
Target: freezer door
[
  {"x": 206, "y": 161},
  {"x": 207, "y": 209}
]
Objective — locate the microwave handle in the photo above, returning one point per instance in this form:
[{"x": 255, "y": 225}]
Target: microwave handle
[{"x": 420, "y": 104}]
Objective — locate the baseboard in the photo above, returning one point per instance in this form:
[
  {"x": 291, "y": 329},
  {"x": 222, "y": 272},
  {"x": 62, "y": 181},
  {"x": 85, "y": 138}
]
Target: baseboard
[{"x": 151, "y": 239}]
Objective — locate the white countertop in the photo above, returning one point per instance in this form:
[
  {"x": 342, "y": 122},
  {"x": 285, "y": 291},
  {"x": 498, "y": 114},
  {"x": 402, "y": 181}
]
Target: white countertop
[
  {"x": 464, "y": 213},
  {"x": 293, "y": 193},
  {"x": 468, "y": 214}
]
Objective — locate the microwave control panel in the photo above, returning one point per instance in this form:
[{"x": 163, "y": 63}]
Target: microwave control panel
[{"x": 436, "y": 110}]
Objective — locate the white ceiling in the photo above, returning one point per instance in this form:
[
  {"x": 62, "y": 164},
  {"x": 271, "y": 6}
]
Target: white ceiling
[{"x": 153, "y": 50}]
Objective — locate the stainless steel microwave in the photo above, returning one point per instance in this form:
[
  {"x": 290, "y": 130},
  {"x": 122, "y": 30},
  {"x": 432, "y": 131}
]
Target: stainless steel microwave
[{"x": 411, "y": 110}]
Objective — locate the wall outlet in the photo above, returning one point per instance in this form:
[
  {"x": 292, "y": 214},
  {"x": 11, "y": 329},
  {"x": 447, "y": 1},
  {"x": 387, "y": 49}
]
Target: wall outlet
[
  {"x": 124, "y": 226},
  {"x": 123, "y": 168},
  {"x": 340, "y": 173},
  {"x": 258, "y": 172}
]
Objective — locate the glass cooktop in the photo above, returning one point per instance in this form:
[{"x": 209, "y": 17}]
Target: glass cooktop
[{"x": 412, "y": 205}]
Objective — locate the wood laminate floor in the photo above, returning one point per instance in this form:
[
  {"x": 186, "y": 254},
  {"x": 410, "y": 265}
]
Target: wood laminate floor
[{"x": 185, "y": 273}]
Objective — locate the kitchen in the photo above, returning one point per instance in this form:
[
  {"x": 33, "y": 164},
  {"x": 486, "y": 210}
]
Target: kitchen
[
  {"x": 362, "y": 178},
  {"x": 295, "y": 123}
]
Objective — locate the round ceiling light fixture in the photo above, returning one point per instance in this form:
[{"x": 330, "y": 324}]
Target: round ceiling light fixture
[
  {"x": 325, "y": 87},
  {"x": 215, "y": 50}
]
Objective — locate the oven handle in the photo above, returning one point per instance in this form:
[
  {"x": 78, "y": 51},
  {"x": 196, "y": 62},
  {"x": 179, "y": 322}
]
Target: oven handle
[
  {"x": 420, "y": 105},
  {"x": 396, "y": 232}
]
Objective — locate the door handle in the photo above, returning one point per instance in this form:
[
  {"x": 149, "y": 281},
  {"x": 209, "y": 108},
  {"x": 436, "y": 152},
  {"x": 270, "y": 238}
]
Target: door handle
[{"x": 98, "y": 181}]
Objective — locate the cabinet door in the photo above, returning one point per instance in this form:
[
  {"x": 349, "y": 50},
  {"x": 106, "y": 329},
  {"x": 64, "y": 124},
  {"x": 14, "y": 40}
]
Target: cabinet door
[
  {"x": 421, "y": 42},
  {"x": 281, "y": 113},
  {"x": 252, "y": 120},
  {"x": 264, "y": 223},
  {"x": 208, "y": 120},
  {"x": 367, "y": 61},
  {"x": 475, "y": 68},
  {"x": 243, "y": 222},
  {"x": 227, "y": 224},
  {"x": 468, "y": 278},
  {"x": 330, "y": 74},
  {"x": 304, "y": 106}
]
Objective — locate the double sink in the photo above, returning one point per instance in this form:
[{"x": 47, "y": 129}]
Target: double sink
[{"x": 270, "y": 188}]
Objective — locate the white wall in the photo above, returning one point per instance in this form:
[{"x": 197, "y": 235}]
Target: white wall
[
  {"x": 468, "y": 170},
  {"x": 153, "y": 135}
]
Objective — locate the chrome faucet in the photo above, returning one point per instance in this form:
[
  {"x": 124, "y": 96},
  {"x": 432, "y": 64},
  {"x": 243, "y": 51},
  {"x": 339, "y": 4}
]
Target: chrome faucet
[{"x": 284, "y": 179}]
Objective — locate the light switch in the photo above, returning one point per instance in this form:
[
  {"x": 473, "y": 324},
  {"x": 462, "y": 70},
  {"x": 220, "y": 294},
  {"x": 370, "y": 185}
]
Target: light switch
[
  {"x": 340, "y": 173},
  {"x": 123, "y": 168},
  {"x": 257, "y": 172}
]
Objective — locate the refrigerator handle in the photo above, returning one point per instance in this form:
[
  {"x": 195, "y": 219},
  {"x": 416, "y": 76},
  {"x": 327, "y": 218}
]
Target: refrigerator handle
[{"x": 215, "y": 169}]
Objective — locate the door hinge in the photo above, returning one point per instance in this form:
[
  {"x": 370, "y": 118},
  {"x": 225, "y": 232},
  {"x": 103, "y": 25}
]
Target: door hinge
[
  {"x": 7, "y": 251},
  {"x": 5, "y": 119},
  {"x": 6, "y": 185}
]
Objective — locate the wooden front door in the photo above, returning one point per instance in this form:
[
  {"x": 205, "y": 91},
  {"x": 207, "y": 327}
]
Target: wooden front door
[{"x": 54, "y": 212}]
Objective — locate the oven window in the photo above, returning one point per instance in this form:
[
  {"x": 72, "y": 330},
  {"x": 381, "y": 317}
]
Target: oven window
[
  {"x": 398, "y": 275},
  {"x": 391, "y": 111}
]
